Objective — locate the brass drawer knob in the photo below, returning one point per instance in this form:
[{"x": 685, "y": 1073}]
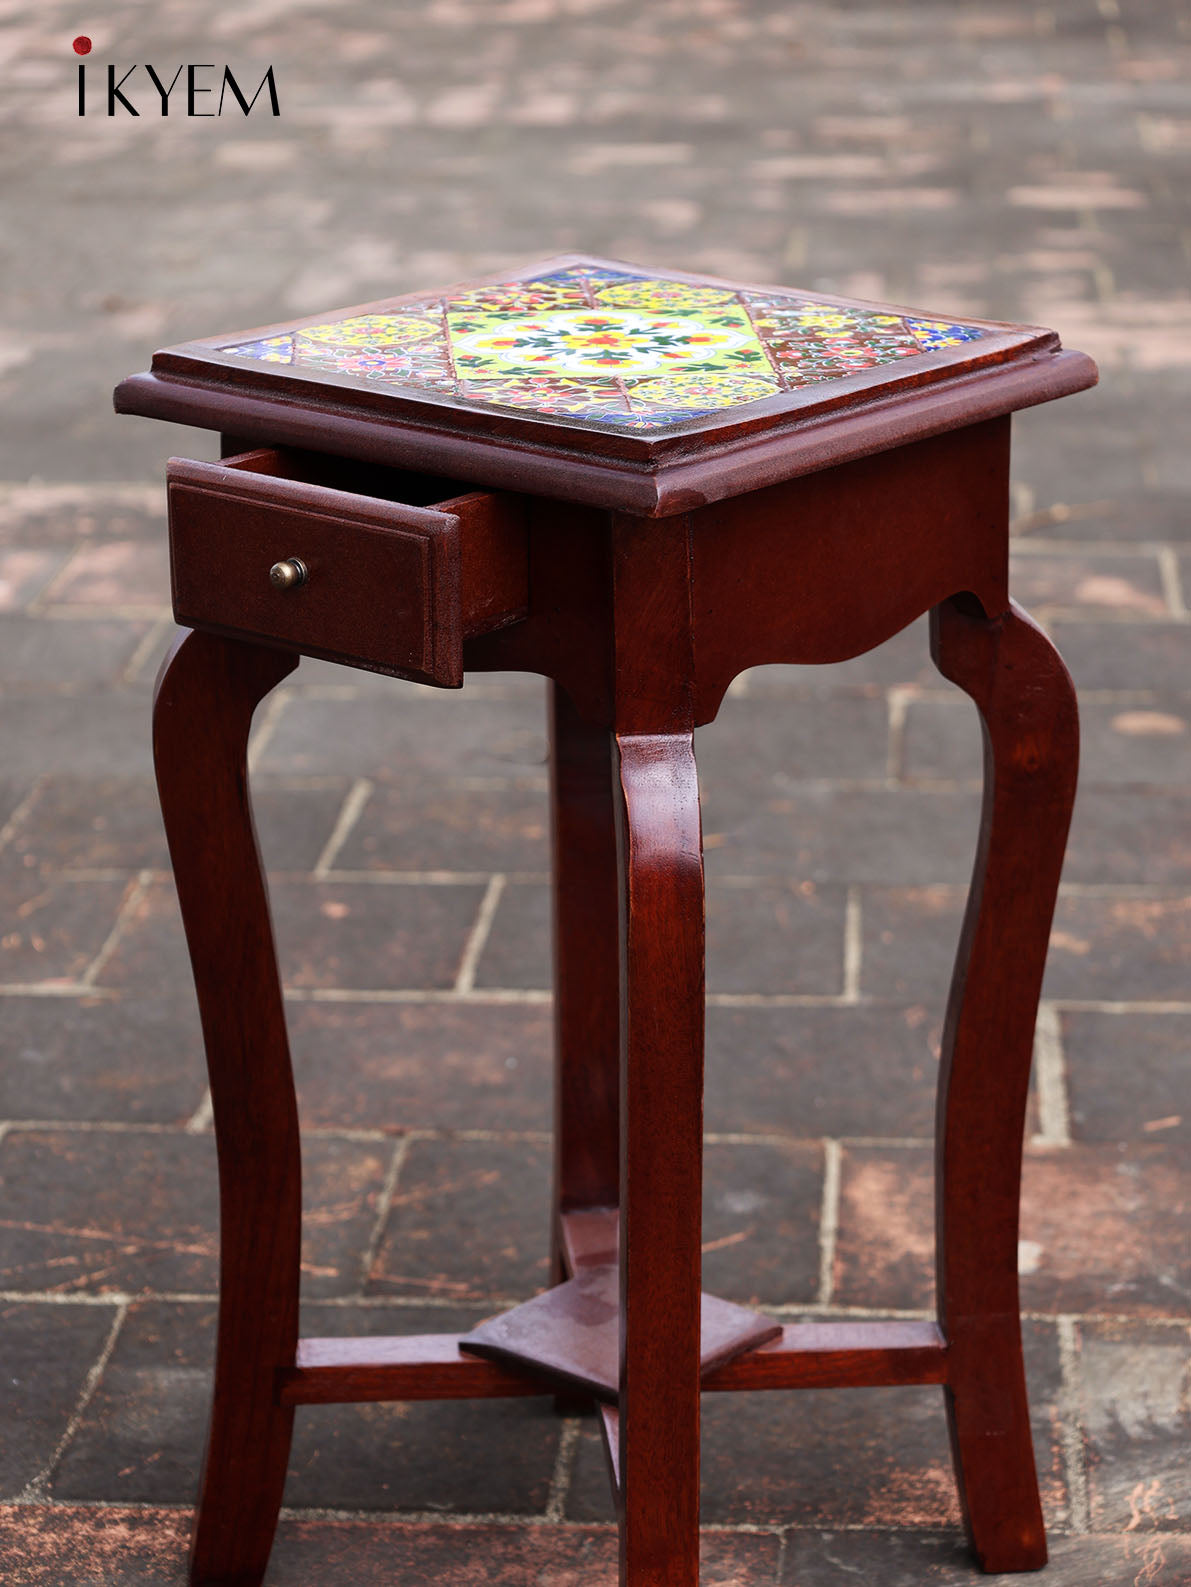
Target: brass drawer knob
[{"x": 288, "y": 575}]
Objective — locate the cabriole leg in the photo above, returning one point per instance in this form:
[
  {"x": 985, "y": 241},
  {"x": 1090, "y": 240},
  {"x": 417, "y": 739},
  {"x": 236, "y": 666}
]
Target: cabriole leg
[
  {"x": 206, "y": 695},
  {"x": 661, "y": 1162},
  {"x": 1031, "y": 747}
]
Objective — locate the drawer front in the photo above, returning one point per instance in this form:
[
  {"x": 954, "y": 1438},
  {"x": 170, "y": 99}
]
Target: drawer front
[{"x": 382, "y": 585}]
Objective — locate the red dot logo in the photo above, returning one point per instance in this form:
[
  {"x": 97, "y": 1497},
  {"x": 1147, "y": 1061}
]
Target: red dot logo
[{"x": 82, "y": 45}]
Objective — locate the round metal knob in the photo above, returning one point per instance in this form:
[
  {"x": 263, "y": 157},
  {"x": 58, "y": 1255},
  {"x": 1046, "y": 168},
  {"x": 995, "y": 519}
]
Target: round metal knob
[{"x": 288, "y": 575}]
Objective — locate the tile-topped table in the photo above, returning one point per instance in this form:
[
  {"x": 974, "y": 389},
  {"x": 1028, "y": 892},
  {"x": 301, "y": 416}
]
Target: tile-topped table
[{"x": 637, "y": 483}]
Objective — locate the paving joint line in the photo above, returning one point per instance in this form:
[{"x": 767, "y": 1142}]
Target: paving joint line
[
  {"x": 853, "y": 947},
  {"x": 37, "y": 1486},
  {"x": 898, "y": 704},
  {"x": 1071, "y": 1411},
  {"x": 23, "y": 807},
  {"x": 133, "y": 896},
  {"x": 463, "y": 1520},
  {"x": 56, "y": 989},
  {"x": 479, "y": 997},
  {"x": 350, "y": 811},
  {"x": 564, "y": 1468},
  {"x": 828, "y": 1220},
  {"x": 408, "y": 878},
  {"x": 37, "y": 606},
  {"x": 1055, "y": 613},
  {"x": 413, "y": 1133},
  {"x": 1050, "y": 1079},
  {"x": 477, "y": 939},
  {"x": 535, "y": 997},
  {"x": 833, "y": 1311},
  {"x": 1032, "y": 545},
  {"x": 266, "y": 725},
  {"x": 201, "y": 1120},
  {"x": 384, "y": 1205},
  {"x": 98, "y": 611},
  {"x": 150, "y": 640},
  {"x": 1172, "y": 586}
]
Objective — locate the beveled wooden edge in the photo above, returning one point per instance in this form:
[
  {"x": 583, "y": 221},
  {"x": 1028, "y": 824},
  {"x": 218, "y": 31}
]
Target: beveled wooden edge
[
  {"x": 715, "y": 472},
  {"x": 839, "y": 1355},
  {"x": 823, "y": 1355},
  {"x": 238, "y": 479},
  {"x": 473, "y": 416}
]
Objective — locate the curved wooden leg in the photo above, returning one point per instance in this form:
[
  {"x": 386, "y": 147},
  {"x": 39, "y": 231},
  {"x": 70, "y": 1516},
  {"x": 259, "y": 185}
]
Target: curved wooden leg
[
  {"x": 206, "y": 694},
  {"x": 661, "y": 1157},
  {"x": 1031, "y": 737}
]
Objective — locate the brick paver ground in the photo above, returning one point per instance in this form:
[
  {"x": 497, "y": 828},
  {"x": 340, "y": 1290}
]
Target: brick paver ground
[{"x": 1014, "y": 160}]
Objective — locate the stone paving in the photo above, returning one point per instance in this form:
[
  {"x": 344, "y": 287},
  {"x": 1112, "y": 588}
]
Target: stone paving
[{"x": 1011, "y": 160}]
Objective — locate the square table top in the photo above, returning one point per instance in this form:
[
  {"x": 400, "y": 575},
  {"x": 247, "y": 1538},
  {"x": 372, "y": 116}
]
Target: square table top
[{"x": 639, "y": 371}]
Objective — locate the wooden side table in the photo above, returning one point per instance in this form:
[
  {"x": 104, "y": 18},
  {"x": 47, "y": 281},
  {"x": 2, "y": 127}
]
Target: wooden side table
[{"x": 637, "y": 484}]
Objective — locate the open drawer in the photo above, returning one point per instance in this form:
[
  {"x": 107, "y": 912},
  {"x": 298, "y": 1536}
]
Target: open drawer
[{"x": 363, "y": 565}]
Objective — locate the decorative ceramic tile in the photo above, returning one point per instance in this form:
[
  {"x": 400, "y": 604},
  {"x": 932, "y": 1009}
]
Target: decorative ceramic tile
[{"x": 608, "y": 347}]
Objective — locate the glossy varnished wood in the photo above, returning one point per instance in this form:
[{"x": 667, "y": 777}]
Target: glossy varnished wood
[
  {"x": 404, "y": 1367},
  {"x": 661, "y": 1082},
  {"x": 839, "y": 1355},
  {"x": 1031, "y": 750},
  {"x": 572, "y": 1331},
  {"x": 823, "y": 1355},
  {"x": 825, "y": 568},
  {"x": 640, "y": 575},
  {"x": 684, "y": 466},
  {"x": 586, "y": 970},
  {"x": 390, "y": 586},
  {"x": 206, "y": 695}
]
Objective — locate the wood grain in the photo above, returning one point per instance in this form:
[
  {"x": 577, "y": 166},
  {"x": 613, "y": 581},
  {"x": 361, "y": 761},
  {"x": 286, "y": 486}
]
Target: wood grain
[
  {"x": 404, "y": 1367},
  {"x": 821, "y": 569},
  {"x": 586, "y": 971},
  {"x": 393, "y": 588},
  {"x": 661, "y": 1163},
  {"x": 839, "y": 1355},
  {"x": 640, "y": 575},
  {"x": 206, "y": 693},
  {"x": 1031, "y": 749}
]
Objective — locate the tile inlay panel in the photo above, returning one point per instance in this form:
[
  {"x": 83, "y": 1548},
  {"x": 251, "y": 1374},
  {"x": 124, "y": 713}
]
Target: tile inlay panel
[{"x": 607, "y": 347}]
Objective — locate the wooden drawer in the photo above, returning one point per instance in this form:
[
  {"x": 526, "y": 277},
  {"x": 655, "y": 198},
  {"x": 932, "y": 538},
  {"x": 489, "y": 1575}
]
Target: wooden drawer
[{"x": 399, "y": 568}]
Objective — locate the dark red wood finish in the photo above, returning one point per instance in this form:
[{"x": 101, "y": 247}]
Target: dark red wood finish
[
  {"x": 416, "y": 582},
  {"x": 640, "y": 577},
  {"x": 661, "y": 1151},
  {"x": 823, "y": 1355},
  {"x": 685, "y": 466},
  {"x": 1031, "y": 752},
  {"x": 206, "y": 694},
  {"x": 586, "y": 971},
  {"x": 572, "y": 1332},
  {"x": 406, "y": 1367}
]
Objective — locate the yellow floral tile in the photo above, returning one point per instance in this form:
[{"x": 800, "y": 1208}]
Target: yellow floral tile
[{"x": 604, "y": 341}]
